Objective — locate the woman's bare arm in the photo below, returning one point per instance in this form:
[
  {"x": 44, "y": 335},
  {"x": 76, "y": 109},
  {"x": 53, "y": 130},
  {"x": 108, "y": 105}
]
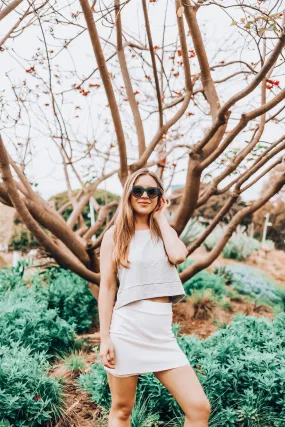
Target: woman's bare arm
[
  {"x": 108, "y": 284},
  {"x": 175, "y": 248}
]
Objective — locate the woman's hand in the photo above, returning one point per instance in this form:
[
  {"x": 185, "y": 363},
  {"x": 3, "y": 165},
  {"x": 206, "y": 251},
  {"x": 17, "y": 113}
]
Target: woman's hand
[
  {"x": 160, "y": 209},
  {"x": 107, "y": 353}
]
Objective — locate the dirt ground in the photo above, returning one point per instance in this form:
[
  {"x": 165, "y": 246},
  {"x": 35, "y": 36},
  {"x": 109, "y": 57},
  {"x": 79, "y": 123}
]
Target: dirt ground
[
  {"x": 183, "y": 314},
  {"x": 79, "y": 410}
]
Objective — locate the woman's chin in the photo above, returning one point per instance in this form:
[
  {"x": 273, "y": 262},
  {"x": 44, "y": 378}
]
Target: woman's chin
[{"x": 143, "y": 209}]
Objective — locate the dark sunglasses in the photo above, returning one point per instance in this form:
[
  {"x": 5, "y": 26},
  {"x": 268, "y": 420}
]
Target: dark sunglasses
[{"x": 152, "y": 192}]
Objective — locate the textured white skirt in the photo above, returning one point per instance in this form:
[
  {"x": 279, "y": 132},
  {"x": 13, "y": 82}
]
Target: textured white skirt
[{"x": 142, "y": 335}]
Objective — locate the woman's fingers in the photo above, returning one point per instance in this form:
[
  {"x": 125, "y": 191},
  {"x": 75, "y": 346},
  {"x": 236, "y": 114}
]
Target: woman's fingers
[
  {"x": 107, "y": 363},
  {"x": 112, "y": 357}
]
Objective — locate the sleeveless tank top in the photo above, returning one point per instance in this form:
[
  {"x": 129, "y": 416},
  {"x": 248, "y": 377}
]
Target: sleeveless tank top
[{"x": 150, "y": 274}]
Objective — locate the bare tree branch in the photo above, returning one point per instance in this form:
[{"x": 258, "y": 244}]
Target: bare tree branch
[
  {"x": 127, "y": 81},
  {"x": 8, "y": 9},
  {"x": 123, "y": 173},
  {"x": 155, "y": 73},
  {"x": 200, "y": 265},
  {"x": 63, "y": 257}
]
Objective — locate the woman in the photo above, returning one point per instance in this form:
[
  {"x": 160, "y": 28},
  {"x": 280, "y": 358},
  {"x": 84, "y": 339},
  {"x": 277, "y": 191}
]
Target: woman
[{"x": 142, "y": 250}]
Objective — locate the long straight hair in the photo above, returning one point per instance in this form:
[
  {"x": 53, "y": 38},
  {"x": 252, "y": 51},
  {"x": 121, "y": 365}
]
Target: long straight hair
[{"x": 124, "y": 221}]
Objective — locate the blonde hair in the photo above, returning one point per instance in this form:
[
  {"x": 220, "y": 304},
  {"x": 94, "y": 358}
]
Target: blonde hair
[{"x": 124, "y": 223}]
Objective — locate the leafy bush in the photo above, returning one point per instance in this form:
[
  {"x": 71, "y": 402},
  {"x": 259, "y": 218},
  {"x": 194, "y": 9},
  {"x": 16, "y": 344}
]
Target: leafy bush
[
  {"x": 203, "y": 280},
  {"x": 141, "y": 416},
  {"x": 204, "y": 302},
  {"x": 22, "y": 239},
  {"x": 75, "y": 362},
  {"x": 62, "y": 290},
  {"x": 70, "y": 296},
  {"x": 28, "y": 396},
  {"x": 30, "y": 323},
  {"x": 240, "y": 246},
  {"x": 31, "y": 332},
  {"x": 240, "y": 367},
  {"x": 225, "y": 273},
  {"x": 9, "y": 280},
  {"x": 192, "y": 230},
  {"x": 253, "y": 282},
  {"x": 185, "y": 264},
  {"x": 11, "y": 277}
]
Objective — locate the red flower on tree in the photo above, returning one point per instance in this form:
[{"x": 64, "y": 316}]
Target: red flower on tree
[
  {"x": 30, "y": 70},
  {"x": 273, "y": 82}
]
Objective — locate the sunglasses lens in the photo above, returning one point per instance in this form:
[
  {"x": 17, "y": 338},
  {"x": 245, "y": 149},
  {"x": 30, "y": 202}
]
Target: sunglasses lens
[
  {"x": 137, "y": 191},
  {"x": 152, "y": 192}
]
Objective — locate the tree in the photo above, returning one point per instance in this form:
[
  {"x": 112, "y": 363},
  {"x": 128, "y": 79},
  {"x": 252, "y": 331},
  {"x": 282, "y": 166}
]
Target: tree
[
  {"x": 276, "y": 208},
  {"x": 168, "y": 98}
]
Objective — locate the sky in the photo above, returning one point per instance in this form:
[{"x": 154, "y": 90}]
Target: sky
[{"x": 45, "y": 168}]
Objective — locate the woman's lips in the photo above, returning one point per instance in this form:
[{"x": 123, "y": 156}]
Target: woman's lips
[{"x": 143, "y": 203}]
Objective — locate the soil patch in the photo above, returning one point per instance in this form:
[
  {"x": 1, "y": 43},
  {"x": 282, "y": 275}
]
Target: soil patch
[
  {"x": 79, "y": 410},
  {"x": 184, "y": 311}
]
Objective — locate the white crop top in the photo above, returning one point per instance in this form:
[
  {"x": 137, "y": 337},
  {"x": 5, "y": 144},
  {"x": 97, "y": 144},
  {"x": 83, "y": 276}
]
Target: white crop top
[{"x": 150, "y": 274}]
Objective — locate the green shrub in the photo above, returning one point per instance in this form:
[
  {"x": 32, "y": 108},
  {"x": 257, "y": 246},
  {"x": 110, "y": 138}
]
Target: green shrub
[
  {"x": 96, "y": 384},
  {"x": 203, "y": 280},
  {"x": 22, "y": 239},
  {"x": 141, "y": 417},
  {"x": 11, "y": 277},
  {"x": 31, "y": 332},
  {"x": 192, "y": 230},
  {"x": 62, "y": 290},
  {"x": 253, "y": 282},
  {"x": 30, "y": 323},
  {"x": 185, "y": 264},
  {"x": 75, "y": 362},
  {"x": 225, "y": 273},
  {"x": 240, "y": 246},
  {"x": 28, "y": 396},
  {"x": 9, "y": 280},
  {"x": 70, "y": 296},
  {"x": 240, "y": 367}
]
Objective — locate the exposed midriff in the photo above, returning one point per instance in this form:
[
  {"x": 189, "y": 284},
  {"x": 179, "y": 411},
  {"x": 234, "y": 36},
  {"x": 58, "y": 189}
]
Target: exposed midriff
[{"x": 158, "y": 299}]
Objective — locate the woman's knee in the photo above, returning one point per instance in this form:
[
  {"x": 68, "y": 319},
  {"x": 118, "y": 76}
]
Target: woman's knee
[
  {"x": 198, "y": 409},
  {"x": 122, "y": 410}
]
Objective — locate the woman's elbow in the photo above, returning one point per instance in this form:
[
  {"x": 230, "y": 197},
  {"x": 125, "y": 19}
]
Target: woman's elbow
[{"x": 180, "y": 258}]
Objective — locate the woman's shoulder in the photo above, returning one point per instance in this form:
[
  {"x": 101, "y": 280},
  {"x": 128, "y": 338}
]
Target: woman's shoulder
[
  {"x": 110, "y": 230},
  {"x": 108, "y": 237}
]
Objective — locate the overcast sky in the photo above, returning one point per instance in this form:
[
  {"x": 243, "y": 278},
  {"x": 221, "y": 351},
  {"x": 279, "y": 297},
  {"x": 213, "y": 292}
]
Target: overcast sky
[{"x": 45, "y": 167}]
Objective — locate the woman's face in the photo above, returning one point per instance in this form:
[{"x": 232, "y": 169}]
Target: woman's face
[{"x": 150, "y": 204}]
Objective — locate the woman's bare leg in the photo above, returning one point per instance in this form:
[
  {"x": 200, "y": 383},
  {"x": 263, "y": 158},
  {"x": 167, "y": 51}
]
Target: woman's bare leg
[
  {"x": 185, "y": 387},
  {"x": 123, "y": 392}
]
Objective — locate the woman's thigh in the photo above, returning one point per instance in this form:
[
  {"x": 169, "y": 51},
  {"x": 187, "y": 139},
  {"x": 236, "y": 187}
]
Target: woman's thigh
[
  {"x": 184, "y": 386},
  {"x": 123, "y": 389}
]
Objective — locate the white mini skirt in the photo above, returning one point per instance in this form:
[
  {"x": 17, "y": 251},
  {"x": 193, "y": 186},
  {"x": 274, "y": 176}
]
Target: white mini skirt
[{"x": 143, "y": 340}]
